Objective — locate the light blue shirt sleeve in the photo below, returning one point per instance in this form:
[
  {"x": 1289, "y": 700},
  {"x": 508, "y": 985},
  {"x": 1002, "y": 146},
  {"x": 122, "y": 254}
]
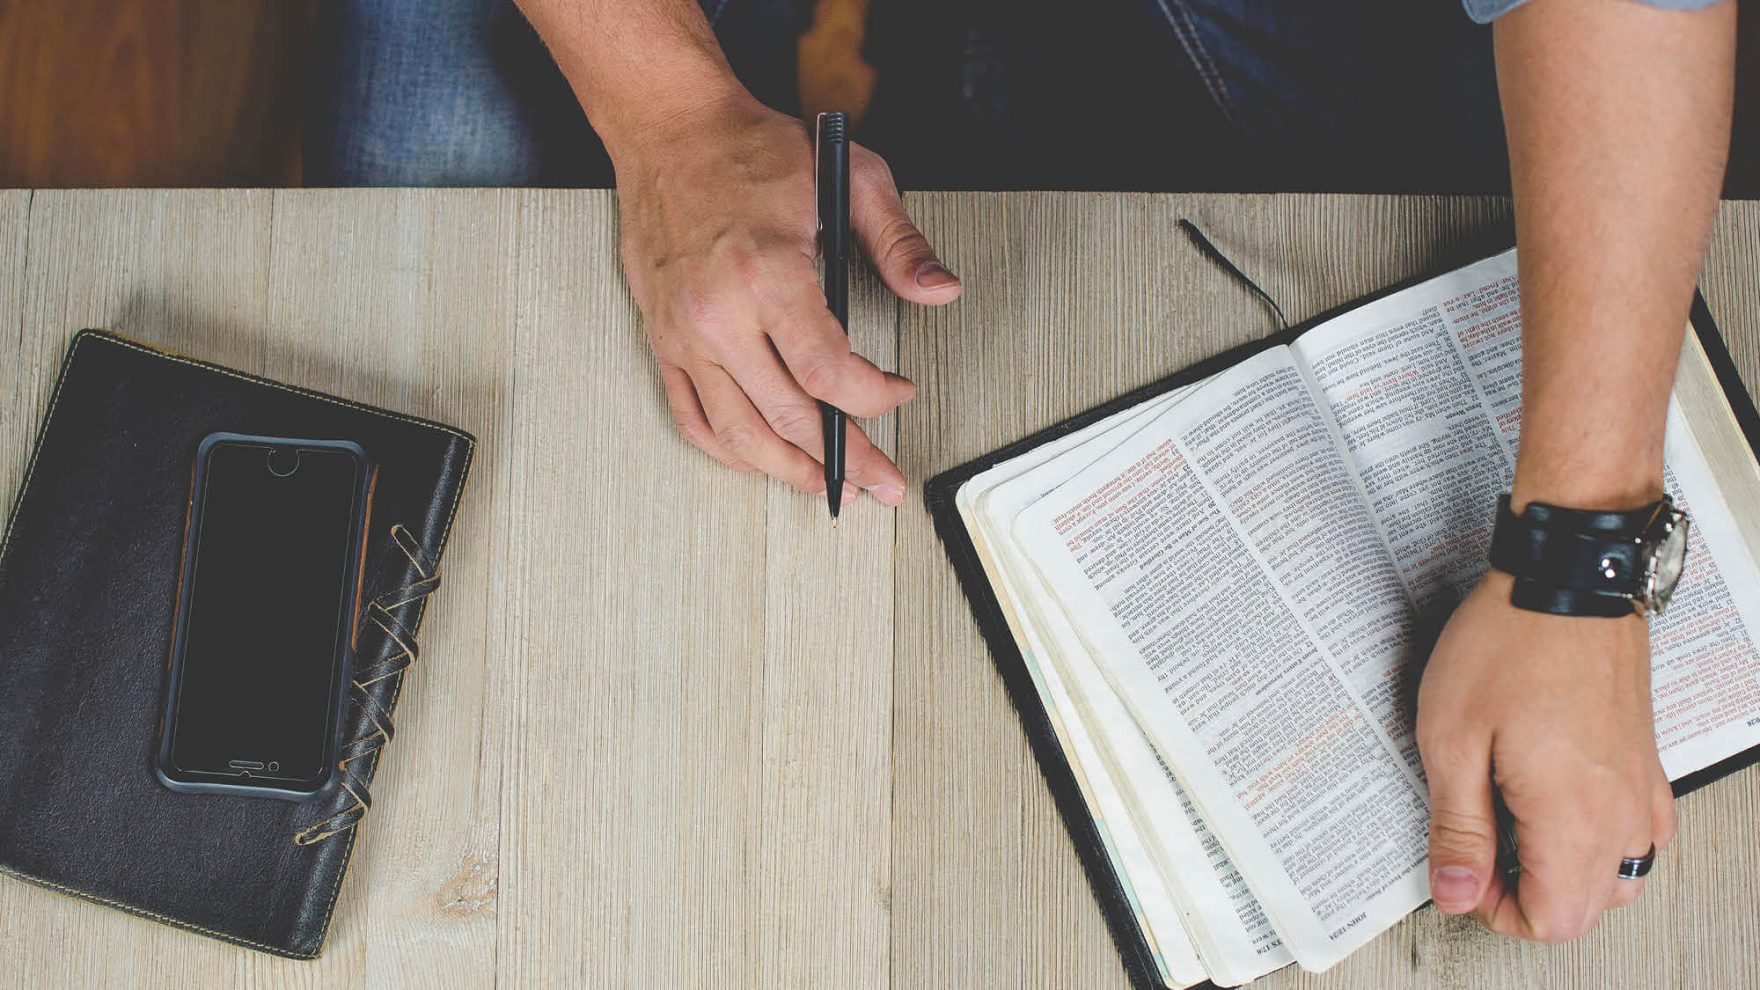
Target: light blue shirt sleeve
[{"x": 1486, "y": 11}]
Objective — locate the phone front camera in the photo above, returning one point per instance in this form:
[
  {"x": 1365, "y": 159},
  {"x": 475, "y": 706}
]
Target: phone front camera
[{"x": 283, "y": 461}]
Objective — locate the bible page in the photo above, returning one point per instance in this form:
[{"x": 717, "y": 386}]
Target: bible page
[
  {"x": 1228, "y": 927},
  {"x": 1425, "y": 388},
  {"x": 1157, "y": 909},
  {"x": 1186, "y": 560}
]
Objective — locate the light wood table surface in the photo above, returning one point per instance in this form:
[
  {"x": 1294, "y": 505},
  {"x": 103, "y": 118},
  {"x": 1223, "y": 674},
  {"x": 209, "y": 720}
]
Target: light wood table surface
[{"x": 670, "y": 729}]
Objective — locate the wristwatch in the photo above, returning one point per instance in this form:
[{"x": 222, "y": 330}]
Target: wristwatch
[{"x": 1588, "y": 562}]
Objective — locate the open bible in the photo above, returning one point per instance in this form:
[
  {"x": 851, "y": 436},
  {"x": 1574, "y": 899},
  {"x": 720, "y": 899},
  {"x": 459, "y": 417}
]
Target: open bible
[{"x": 1212, "y": 601}]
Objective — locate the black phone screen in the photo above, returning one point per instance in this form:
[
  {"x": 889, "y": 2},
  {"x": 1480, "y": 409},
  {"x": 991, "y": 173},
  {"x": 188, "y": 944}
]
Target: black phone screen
[{"x": 273, "y": 560}]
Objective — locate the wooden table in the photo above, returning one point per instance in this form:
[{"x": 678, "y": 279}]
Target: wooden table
[{"x": 646, "y": 745}]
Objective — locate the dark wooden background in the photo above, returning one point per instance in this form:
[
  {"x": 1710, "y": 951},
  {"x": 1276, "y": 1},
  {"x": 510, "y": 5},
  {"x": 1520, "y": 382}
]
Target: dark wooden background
[
  {"x": 210, "y": 93},
  {"x": 151, "y": 93}
]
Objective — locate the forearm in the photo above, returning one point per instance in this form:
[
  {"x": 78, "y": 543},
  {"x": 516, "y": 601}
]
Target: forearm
[
  {"x": 1618, "y": 120},
  {"x": 637, "y": 66}
]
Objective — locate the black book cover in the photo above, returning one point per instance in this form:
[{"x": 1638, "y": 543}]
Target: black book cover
[
  {"x": 89, "y": 567},
  {"x": 939, "y": 499}
]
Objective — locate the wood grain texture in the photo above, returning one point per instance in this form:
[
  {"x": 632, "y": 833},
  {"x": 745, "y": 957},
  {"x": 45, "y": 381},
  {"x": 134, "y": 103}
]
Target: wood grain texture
[
  {"x": 635, "y": 643},
  {"x": 822, "y": 899},
  {"x": 656, "y": 739},
  {"x": 174, "y": 93},
  {"x": 402, "y": 300},
  {"x": 18, "y": 405},
  {"x": 1071, "y": 300}
]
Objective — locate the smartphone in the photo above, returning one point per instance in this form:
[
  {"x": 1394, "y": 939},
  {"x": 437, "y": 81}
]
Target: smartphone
[{"x": 267, "y": 616}]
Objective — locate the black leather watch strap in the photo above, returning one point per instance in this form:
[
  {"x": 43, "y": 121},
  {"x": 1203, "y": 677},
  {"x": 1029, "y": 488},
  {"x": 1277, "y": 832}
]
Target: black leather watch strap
[
  {"x": 1536, "y": 597},
  {"x": 1570, "y": 561}
]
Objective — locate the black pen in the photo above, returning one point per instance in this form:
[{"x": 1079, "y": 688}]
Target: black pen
[{"x": 831, "y": 182}]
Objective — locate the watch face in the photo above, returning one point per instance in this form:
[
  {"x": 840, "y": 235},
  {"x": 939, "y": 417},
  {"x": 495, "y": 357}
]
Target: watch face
[{"x": 1667, "y": 558}]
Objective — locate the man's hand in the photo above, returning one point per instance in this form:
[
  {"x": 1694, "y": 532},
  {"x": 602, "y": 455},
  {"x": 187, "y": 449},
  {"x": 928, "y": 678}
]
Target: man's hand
[
  {"x": 1618, "y": 122},
  {"x": 719, "y": 240},
  {"x": 1556, "y": 710}
]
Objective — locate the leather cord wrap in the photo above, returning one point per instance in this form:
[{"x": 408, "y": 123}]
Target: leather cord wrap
[{"x": 398, "y": 651}]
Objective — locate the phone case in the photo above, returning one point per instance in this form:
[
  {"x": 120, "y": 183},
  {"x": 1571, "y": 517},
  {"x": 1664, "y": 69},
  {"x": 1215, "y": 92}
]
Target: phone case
[{"x": 168, "y": 774}]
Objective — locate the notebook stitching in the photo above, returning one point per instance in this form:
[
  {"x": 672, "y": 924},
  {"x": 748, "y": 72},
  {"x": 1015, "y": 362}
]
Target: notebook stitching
[
  {"x": 296, "y": 390},
  {"x": 151, "y": 915},
  {"x": 67, "y": 368}
]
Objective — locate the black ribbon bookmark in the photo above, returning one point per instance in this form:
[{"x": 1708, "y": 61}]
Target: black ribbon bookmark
[{"x": 1210, "y": 251}]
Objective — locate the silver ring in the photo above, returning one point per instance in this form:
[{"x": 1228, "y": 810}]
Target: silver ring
[{"x": 1635, "y": 868}]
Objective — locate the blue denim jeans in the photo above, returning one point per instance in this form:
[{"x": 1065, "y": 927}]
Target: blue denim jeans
[
  {"x": 463, "y": 92},
  {"x": 1388, "y": 95}
]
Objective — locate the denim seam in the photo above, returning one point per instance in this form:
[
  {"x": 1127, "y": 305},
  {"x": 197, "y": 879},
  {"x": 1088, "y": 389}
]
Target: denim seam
[
  {"x": 1180, "y": 20},
  {"x": 715, "y": 17}
]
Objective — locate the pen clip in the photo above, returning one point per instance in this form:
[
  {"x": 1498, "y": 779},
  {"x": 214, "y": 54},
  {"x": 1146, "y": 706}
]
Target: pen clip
[{"x": 818, "y": 198}]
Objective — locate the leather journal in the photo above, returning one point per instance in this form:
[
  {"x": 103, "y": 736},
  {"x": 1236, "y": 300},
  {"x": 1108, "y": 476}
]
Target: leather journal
[
  {"x": 1210, "y": 599},
  {"x": 89, "y": 566}
]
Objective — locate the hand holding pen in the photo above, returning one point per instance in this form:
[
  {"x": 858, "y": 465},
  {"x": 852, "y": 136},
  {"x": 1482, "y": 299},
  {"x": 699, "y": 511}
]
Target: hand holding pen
[{"x": 720, "y": 261}]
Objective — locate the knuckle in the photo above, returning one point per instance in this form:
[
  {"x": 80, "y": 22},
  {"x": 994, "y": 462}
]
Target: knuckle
[
  {"x": 670, "y": 344},
  {"x": 1666, "y": 817},
  {"x": 701, "y": 309},
  {"x": 1443, "y": 750},
  {"x": 796, "y": 422},
  {"x": 734, "y": 257},
  {"x": 822, "y": 378},
  {"x": 772, "y": 291},
  {"x": 1457, "y": 831},
  {"x": 691, "y": 429},
  {"x": 743, "y": 267},
  {"x": 901, "y": 240},
  {"x": 808, "y": 480},
  {"x": 869, "y": 165},
  {"x": 1435, "y": 733},
  {"x": 739, "y": 438}
]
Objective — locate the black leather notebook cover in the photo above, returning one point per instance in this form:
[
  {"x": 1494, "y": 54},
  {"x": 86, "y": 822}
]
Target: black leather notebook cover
[
  {"x": 938, "y": 498},
  {"x": 88, "y": 580}
]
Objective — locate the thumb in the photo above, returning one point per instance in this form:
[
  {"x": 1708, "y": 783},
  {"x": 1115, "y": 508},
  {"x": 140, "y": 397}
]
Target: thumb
[
  {"x": 1463, "y": 829},
  {"x": 895, "y": 247}
]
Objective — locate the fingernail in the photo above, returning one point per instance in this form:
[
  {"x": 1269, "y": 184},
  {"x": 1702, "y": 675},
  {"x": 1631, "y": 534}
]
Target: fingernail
[
  {"x": 1453, "y": 888},
  {"x": 890, "y": 494},
  {"x": 849, "y": 494},
  {"x": 935, "y": 275}
]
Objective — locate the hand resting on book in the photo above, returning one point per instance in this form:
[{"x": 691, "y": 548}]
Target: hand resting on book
[
  {"x": 1558, "y": 709},
  {"x": 1256, "y": 609}
]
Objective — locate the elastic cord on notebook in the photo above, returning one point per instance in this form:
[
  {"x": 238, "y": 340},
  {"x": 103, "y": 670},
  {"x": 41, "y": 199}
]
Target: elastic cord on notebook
[
  {"x": 1209, "y": 251},
  {"x": 382, "y": 611}
]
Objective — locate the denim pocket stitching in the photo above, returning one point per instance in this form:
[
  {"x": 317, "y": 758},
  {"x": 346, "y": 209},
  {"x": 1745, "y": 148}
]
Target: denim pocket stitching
[{"x": 1179, "y": 18}]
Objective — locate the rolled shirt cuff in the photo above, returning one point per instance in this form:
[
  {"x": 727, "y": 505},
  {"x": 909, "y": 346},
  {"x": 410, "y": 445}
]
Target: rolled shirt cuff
[{"x": 1486, "y": 11}]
